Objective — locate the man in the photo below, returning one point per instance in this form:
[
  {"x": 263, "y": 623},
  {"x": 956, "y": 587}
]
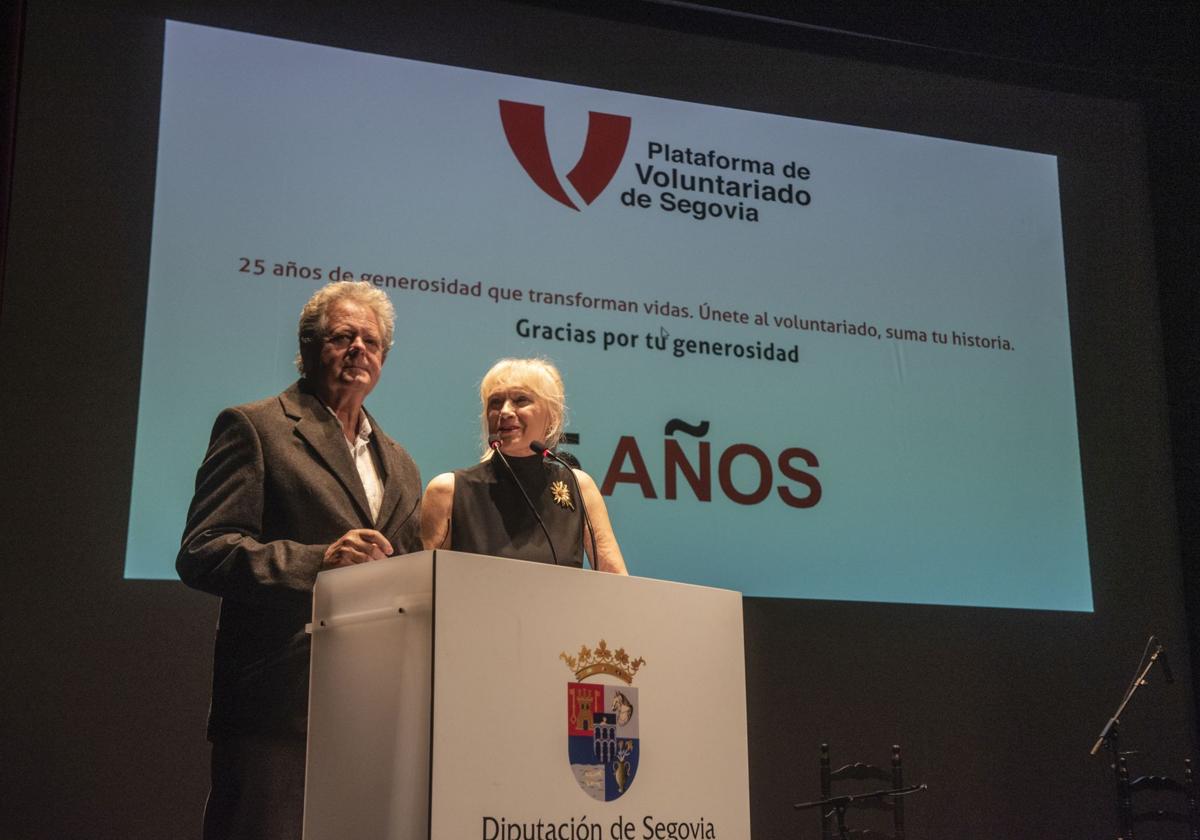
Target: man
[{"x": 290, "y": 485}]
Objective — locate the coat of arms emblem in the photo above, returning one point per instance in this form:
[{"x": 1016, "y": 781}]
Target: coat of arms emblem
[{"x": 603, "y": 745}]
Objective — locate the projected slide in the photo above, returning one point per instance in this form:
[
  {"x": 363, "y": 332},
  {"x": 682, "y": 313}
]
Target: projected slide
[{"x": 804, "y": 360}]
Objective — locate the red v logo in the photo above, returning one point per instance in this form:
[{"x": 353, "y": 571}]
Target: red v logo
[{"x": 607, "y": 138}]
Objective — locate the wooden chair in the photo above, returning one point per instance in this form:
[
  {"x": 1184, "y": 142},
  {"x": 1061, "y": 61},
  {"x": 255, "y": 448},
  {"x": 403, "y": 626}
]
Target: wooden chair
[
  {"x": 890, "y": 779},
  {"x": 1184, "y": 793}
]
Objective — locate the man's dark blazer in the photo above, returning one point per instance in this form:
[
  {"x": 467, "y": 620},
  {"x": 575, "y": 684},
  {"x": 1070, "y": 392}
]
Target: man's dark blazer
[{"x": 277, "y": 486}]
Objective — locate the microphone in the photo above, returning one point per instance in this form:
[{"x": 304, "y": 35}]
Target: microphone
[
  {"x": 494, "y": 443},
  {"x": 541, "y": 449},
  {"x": 1161, "y": 653}
]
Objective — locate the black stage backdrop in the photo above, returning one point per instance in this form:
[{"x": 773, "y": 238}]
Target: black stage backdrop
[{"x": 106, "y": 680}]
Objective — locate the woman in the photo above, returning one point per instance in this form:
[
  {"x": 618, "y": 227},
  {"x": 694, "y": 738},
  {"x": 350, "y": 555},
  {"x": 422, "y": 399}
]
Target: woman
[{"x": 486, "y": 509}]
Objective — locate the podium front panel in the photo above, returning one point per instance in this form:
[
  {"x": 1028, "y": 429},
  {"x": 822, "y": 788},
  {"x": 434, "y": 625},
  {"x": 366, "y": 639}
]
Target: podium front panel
[{"x": 598, "y": 706}]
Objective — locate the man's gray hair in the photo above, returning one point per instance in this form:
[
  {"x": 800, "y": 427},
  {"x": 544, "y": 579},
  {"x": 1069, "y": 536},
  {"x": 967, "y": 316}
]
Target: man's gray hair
[{"x": 314, "y": 320}]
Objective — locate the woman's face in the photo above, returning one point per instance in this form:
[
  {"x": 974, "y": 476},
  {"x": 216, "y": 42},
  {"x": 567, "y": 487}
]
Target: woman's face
[{"x": 516, "y": 417}]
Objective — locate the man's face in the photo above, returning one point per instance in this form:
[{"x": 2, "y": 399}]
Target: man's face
[{"x": 352, "y": 350}]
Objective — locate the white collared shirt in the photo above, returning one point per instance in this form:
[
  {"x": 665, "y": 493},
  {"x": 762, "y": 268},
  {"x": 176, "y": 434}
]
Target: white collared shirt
[{"x": 360, "y": 453}]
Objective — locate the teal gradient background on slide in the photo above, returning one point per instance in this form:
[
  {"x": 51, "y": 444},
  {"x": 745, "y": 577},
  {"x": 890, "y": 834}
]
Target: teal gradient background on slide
[{"x": 948, "y": 474}]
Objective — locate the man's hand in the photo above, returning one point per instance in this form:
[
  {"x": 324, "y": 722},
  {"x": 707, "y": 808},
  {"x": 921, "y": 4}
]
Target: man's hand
[{"x": 361, "y": 545}]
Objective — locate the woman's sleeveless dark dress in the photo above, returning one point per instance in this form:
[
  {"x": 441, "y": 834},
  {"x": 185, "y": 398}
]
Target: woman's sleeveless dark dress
[{"x": 491, "y": 517}]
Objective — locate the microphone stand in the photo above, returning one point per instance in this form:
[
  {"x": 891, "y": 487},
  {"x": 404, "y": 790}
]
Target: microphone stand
[
  {"x": 841, "y": 803},
  {"x": 1106, "y": 734},
  {"x": 496, "y": 451},
  {"x": 546, "y": 452}
]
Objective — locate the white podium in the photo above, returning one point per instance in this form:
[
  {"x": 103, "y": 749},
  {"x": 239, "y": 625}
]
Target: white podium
[{"x": 456, "y": 696}]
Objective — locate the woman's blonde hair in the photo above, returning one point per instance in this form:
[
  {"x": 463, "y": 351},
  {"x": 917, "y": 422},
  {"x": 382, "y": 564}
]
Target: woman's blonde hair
[{"x": 537, "y": 376}]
